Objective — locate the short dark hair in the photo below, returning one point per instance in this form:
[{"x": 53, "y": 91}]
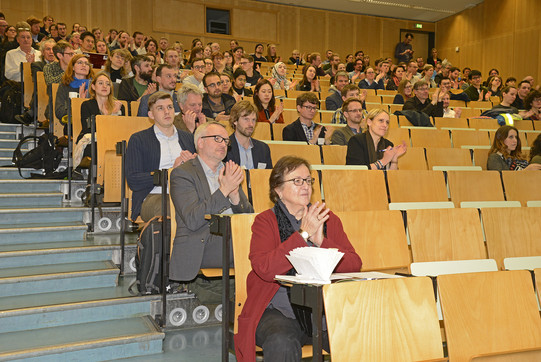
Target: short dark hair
[
  {"x": 238, "y": 72},
  {"x": 87, "y": 33},
  {"x": 524, "y": 81},
  {"x": 60, "y": 47},
  {"x": 530, "y": 98},
  {"x": 474, "y": 73},
  {"x": 247, "y": 57},
  {"x": 284, "y": 166},
  {"x": 237, "y": 48},
  {"x": 408, "y": 35},
  {"x": 137, "y": 33},
  {"x": 161, "y": 67},
  {"x": 510, "y": 79},
  {"x": 210, "y": 74},
  {"x": 453, "y": 69},
  {"x": 137, "y": 60},
  {"x": 347, "y": 102},
  {"x": 347, "y": 88},
  {"x": 156, "y": 96},
  {"x": 307, "y": 97}
]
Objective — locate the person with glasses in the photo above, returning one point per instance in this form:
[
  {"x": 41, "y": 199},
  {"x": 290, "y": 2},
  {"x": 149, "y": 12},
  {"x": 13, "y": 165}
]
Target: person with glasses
[
  {"x": 268, "y": 318},
  {"x": 201, "y": 186},
  {"x": 348, "y": 92},
  {"x": 75, "y": 84},
  {"x": 159, "y": 147},
  {"x": 354, "y": 114},
  {"x": 216, "y": 104},
  {"x": 371, "y": 148},
  {"x": 421, "y": 102},
  {"x": 22, "y": 54},
  {"x": 53, "y": 72},
  {"x": 475, "y": 89},
  {"x": 252, "y": 75},
  {"x": 245, "y": 150},
  {"x": 371, "y": 81},
  {"x": 304, "y": 129},
  {"x": 166, "y": 77},
  {"x": 198, "y": 70}
]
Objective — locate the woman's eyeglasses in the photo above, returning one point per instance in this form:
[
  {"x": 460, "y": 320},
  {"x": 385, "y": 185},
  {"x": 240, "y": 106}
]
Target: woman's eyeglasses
[{"x": 297, "y": 181}]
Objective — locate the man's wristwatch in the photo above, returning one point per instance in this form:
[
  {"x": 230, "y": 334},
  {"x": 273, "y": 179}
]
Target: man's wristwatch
[{"x": 304, "y": 234}]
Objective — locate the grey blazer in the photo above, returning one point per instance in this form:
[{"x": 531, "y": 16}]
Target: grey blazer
[{"x": 194, "y": 247}]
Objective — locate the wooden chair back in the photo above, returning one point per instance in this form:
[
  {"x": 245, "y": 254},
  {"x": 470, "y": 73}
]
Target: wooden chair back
[
  {"x": 490, "y": 312},
  {"x": 480, "y": 104},
  {"x": 379, "y": 238},
  {"x": 480, "y": 157},
  {"x": 397, "y": 135},
  {"x": 28, "y": 88},
  {"x": 308, "y": 152},
  {"x": 413, "y": 159},
  {"x": 506, "y": 241},
  {"x": 262, "y": 131},
  {"x": 241, "y": 235},
  {"x": 354, "y": 190},
  {"x": 277, "y": 130},
  {"x": 522, "y": 186},
  {"x": 469, "y": 138},
  {"x": 451, "y": 122},
  {"x": 430, "y": 138},
  {"x": 523, "y": 125},
  {"x": 532, "y": 136},
  {"x": 259, "y": 185},
  {"x": 484, "y": 123},
  {"x": 416, "y": 186},
  {"x": 448, "y": 157},
  {"x": 400, "y": 315},
  {"x": 58, "y": 127},
  {"x": 445, "y": 234},
  {"x": 43, "y": 97},
  {"x": 113, "y": 129},
  {"x": 334, "y": 155},
  {"x": 134, "y": 108},
  {"x": 474, "y": 186}
]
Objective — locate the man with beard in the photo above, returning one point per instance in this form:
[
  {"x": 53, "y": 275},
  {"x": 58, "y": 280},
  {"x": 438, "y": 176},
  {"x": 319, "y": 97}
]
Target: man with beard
[
  {"x": 216, "y": 105},
  {"x": 244, "y": 150},
  {"x": 166, "y": 77},
  {"x": 132, "y": 89},
  {"x": 61, "y": 31}
]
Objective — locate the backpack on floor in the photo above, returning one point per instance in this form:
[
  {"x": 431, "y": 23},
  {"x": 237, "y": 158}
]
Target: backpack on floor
[
  {"x": 149, "y": 257},
  {"x": 43, "y": 156}
]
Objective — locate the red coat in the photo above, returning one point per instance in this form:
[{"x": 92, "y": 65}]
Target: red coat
[
  {"x": 262, "y": 117},
  {"x": 267, "y": 255}
]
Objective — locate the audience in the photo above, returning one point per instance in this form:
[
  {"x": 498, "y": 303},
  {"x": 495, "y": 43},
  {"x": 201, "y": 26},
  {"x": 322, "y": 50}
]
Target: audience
[
  {"x": 334, "y": 100},
  {"x": 166, "y": 77},
  {"x": 279, "y": 79},
  {"x": 348, "y": 92},
  {"x": 24, "y": 53},
  {"x": 239, "y": 82},
  {"x": 133, "y": 88},
  {"x": 421, "y": 101},
  {"x": 506, "y": 152},
  {"x": 523, "y": 90},
  {"x": 216, "y": 105},
  {"x": 405, "y": 92},
  {"x": 535, "y": 151},
  {"x": 252, "y": 75},
  {"x": 532, "y": 104},
  {"x": 475, "y": 89},
  {"x": 191, "y": 116},
  {"x": 309, "y": 80},
  {"x": 371, "y": 81},
  {"x": 397, "y": 74}
]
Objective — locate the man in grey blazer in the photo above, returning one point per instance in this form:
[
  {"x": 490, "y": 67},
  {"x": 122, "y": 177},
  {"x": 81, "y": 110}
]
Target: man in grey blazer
[{"x": 204, "y": 185}]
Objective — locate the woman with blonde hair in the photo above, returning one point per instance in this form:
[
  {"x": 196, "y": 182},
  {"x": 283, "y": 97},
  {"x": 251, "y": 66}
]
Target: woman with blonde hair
[
  {"x": 405, "y": 92},
  {"x": 506, "y": 152},
  {"x": 371, "y": 148}
]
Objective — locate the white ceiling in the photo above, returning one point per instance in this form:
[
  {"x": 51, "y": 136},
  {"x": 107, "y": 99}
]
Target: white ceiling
[{"x": 416, "y": 10}]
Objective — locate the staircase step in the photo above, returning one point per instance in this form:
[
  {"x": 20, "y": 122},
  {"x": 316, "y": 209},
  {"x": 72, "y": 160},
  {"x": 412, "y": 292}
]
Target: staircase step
[
  {"x": 13, "y": 173},
  {"x": 29, "y": 186},
  {"x": 6, "y": 152},
  {"x": 10, "y": 127},
  {"x": 46, "y": 310},
  {"x": 31, "y": 199},
  {"x": 59, "y": 277},
  {"x": 19, "y": 255},
  {"x": 7, "y": 135},
  {"x": 97, "y": 341},
  {"x": 14, "y": 216},
  {"x": 43, "y": 232}
]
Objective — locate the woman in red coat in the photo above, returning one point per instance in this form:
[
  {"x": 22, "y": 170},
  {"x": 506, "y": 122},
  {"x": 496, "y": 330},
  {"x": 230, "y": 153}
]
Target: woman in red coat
[{"x": 268, "y": 318}]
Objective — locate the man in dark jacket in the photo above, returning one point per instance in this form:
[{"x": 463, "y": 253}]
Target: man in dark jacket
[
  {"x": 133, "y": 88},
  {"x": 422, "y": 103},
  {"x": 216, "y": 105}
]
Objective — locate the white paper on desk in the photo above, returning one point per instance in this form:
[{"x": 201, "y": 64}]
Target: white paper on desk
[
  {"x": 314, "y": 263},
  {"x": 363, "y": 276}
]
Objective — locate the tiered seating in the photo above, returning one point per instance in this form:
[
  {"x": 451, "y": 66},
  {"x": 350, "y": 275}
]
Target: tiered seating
[
  {"x": 475, "y": 186},
  {"x": 416, "y": 186}
]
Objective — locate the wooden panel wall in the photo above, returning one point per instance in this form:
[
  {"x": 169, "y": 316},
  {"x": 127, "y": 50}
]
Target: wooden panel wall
[
  {"x": 251, "y": 22},
  {"x": 502, "y": 34}
]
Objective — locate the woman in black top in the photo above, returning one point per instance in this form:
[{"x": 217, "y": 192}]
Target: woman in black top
[
  {"x": 371, "y": 149},
  {"x": 309, "y": 81}
]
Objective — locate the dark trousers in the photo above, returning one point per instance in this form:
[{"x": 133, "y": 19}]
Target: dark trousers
[{"x": 282, "y": 338}]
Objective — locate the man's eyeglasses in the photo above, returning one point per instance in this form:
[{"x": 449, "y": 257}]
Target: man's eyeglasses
[
  {"x": 310, "y": 108},
  {"x": 219, "y": 139},
  {"x": 297, "y": 181}
]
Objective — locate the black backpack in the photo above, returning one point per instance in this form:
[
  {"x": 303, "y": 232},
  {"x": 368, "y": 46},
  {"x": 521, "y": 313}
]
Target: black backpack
[
  {"x": 149, "y": 257},
  {"x": 43, "y": 156},
  {"x": 11, "y": 101}
]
